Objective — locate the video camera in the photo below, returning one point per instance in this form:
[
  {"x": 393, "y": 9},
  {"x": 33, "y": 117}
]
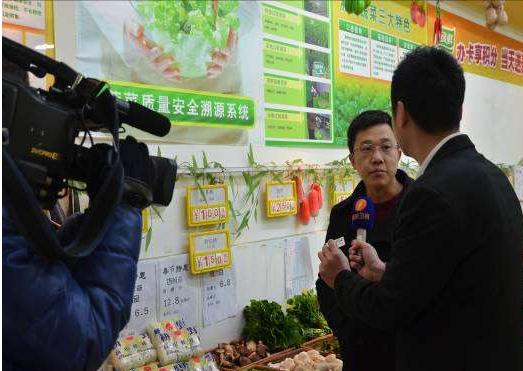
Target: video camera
[
  {"x": 40, "y": 135},
  {"x": 43, "y": 125}
]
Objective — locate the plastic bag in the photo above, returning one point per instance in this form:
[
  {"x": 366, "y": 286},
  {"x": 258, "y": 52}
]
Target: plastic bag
[
  {"x": 149, "y": 367},
  {"x": 131, "y": 352},
  {"x": 170, "y": 340},
  {"x": 209, "y": 363},
  {"x": 194, "y": 341}
]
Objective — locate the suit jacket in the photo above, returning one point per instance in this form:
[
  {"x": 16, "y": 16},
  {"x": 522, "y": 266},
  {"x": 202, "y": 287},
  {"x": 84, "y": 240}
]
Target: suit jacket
[
  {"x": 453, "y": 286},
  {"x": 363, "y": 348}
]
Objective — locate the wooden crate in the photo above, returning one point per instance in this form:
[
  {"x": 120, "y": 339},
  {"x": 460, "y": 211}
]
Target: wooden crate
[
  {"x": 254, "y": 364},
  {"x": 318, "y": 341},
  {"x": 264, "y": 364}
]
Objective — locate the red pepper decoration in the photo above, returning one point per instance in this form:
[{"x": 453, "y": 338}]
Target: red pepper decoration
[{"x": 437, "y": 25}]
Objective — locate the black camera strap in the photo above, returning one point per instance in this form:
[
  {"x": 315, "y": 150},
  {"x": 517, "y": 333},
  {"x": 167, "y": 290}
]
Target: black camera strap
[{"x": 28, "y": 215}]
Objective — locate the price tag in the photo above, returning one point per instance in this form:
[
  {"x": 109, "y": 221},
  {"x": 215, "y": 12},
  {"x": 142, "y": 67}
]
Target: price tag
[
  {"x": 143, "y": 309},
  {"x": 219, "y": 296},
  {"x": 281, "y": 199},
  {"x": 342, "y": 189},
  {"x": 146, "y": 220},
  {"x": 210, "y": 251},
  {"x": 178, "y": 289},
  {"x": 207, "y": 205}
]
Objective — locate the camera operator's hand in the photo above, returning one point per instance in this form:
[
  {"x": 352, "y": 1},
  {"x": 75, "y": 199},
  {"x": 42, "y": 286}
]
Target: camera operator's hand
[
  {"x": 139, "y": 172},
  {"x": 135, "y": 160}
]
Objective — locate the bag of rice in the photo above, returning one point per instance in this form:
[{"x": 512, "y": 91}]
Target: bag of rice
[
  {"x": 149, "y": 367},
  {"x": 131, "y": 352},
  {"x": 195, "y": 363},
  {"x": 194, "y": 341},
  {"x": 171, "y": 343},
  {"x": 209, "y": 364}
]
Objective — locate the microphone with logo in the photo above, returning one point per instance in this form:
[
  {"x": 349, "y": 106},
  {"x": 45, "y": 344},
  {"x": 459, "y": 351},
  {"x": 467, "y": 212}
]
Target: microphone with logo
[{"x": 362, "y": 218}]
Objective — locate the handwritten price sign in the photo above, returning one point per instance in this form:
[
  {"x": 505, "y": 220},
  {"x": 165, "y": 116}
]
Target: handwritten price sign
[
  {"x": 209, "y": 251},
  {"x": 209, "y": 215},
  {"x": 207, "y": 205},
  {"x": 281, "y": 199},
  {"x": 342, "y": 189},
  {"x": 284, "y": 206}
]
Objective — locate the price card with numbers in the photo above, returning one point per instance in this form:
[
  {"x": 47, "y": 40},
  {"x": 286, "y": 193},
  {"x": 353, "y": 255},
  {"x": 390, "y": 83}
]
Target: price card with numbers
[
  {"x": 146, "y": 220},
  {"x": 281, "y": 199},
  {"x": 143, "y": 309},
  {"x": 342, "y": 189},
  {"x": 177, "y": 289},
  {"x": 219, "y": 298},
  {"x": 207, "y": 205},
  {"x": 210, "y": 251}
]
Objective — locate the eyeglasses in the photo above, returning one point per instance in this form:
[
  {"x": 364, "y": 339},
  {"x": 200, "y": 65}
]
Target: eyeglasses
[{"x": 385, "y": 148}]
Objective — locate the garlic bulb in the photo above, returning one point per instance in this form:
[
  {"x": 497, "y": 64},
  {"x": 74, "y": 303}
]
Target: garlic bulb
[
  {"x": 502, "y": 17},
  {"x": 491, "y": 16}
]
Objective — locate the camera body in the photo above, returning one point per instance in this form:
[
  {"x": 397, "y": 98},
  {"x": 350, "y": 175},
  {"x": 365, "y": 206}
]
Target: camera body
[{"x": 42, "y": 127}]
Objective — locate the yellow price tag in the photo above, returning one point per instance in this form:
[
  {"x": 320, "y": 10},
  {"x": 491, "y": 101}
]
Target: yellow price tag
[
  {"x": 209, "y": 251},
  {"x": 146, "y": 222},
  {"x": 342, "y": 189},
  {"x": 207, "y": 205},
  {"x": 281, "y": 199}
]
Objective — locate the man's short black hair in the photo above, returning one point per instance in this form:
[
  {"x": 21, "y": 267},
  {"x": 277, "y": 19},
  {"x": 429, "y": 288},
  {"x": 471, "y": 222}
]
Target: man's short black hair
[
  {"x": 431, "y": 85},
  {"x": 364, "y": 121}
]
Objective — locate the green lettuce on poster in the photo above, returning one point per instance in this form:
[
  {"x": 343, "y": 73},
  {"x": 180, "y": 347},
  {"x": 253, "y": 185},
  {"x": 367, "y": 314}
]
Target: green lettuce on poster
[
  {"x": 352, "y": 99},
  {"x": 190, "y": 29}
]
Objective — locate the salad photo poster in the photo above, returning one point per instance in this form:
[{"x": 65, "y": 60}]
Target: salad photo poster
[
  {"x": 279, "y": 73},
  {"x": 179, "y": 58}
]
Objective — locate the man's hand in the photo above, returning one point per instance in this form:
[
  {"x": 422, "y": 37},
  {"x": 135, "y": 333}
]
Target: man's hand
[
  {"x": 333, "y": 261},
  {"x": 368, "y": 263}
]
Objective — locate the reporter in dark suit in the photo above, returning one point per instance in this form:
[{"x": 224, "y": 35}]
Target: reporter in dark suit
[{"x": 453, "y": 286}]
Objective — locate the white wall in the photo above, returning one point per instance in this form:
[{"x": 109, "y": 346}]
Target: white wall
[{"x": 492, "y": 117}]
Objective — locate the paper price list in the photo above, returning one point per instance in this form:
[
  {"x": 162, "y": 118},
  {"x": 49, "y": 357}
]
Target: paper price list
[
  {"x": 219, "y": 295},
  {"x": 177, "y": 289},
  {"x": 143, "y": 309}
]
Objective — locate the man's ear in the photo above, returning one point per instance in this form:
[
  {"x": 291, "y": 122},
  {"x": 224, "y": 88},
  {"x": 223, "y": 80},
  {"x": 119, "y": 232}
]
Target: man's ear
[
  {"x": 351, "y": 158},
  {"x": 400, "y": 116}
]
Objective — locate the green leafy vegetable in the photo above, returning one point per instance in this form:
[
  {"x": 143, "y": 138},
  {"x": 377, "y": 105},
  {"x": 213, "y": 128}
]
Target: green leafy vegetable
[
  {"x": 266, "y": 321},
  {"x": 189, "y": 29},
  {"x": 306, "y": 309}
]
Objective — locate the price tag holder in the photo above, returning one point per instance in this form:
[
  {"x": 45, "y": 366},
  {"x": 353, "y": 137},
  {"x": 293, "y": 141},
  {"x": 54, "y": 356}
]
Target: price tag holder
[
  {"x": 209, "y": 251},
  {"x": 342, "y": 189},
  {"x": 281, "y": 199},
  {"x": 207, "y": 205},
  {"x": 146, "y": 220}
]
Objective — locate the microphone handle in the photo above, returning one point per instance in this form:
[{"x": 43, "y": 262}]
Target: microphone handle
[{"x": 361, "y": 235}]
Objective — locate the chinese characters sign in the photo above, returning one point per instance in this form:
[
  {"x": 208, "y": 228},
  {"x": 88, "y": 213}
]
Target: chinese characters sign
[
  {"x": 479, "y": 50},
  {"x": 281, "y": 199},
  {"x": 209, "y": 251},
  {"x": 219, "y": 298},
  {"x": 297, "y": 73},
  {"x": 366, "y": 50},
  {"x": 143, "y": 309},
  {"x": 177, "y": 289},
  {"x": 192, "y": 108},
  {"x": 207, "y": 205}
]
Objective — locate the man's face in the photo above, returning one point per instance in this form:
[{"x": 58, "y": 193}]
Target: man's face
[{"x": 376, "y": 156}]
